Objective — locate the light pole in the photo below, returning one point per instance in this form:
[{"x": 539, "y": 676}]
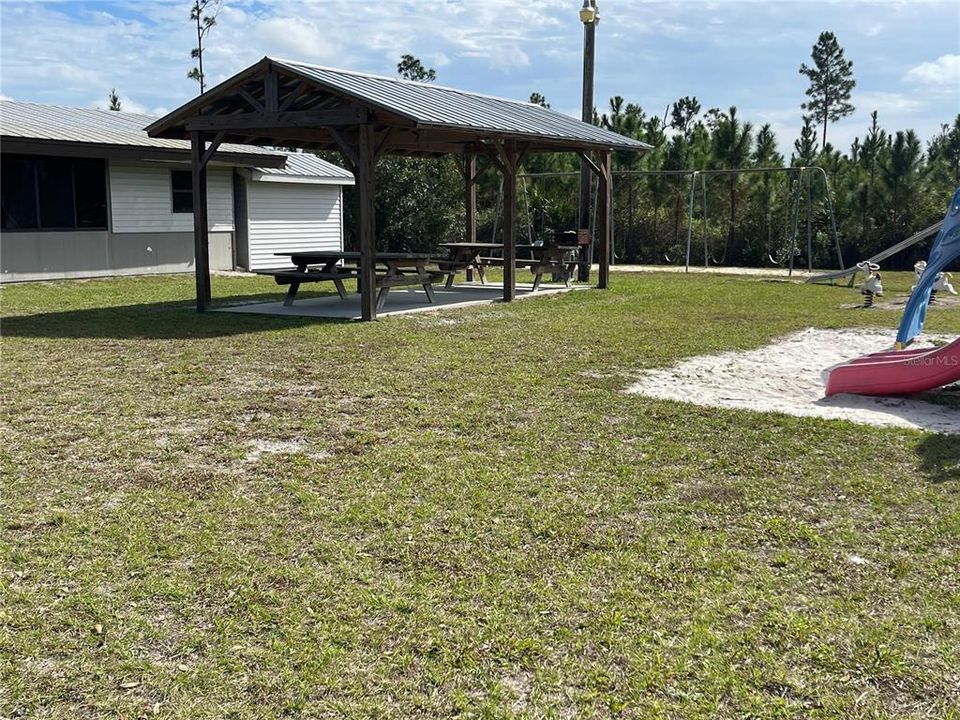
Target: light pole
[{"x": 589, "y": 16}]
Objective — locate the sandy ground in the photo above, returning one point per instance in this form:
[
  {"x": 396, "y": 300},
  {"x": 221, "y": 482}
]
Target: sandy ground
[
  {"x": 722, "y": 270},
  {"x": 785, "y": 377}
]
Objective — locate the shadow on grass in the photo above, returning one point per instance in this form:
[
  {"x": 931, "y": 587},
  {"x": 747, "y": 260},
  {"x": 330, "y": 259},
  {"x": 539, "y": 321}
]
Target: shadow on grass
[
  {"x": 940, "y": 457},
  {"x": 161, "y": 320}
]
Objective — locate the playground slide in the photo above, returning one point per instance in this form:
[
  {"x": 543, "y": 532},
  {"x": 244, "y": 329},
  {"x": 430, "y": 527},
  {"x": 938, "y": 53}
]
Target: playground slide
[
  {"x": 902, "y": 372},
  {"x": 897, "y": 373},
  {"x": 946, "y": 249}
]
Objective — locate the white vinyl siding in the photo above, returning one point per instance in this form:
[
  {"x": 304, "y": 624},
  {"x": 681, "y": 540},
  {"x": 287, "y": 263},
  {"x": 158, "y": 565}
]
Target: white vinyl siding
[
  {"x": 287, "y": 217},
  {"x": 141, "y": 201}
]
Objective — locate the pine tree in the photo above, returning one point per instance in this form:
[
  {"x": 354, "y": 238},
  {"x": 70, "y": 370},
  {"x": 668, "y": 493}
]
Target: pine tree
[
  {"x": 901, "y": 171},
  {"x": 765, "y": 152},
  {"x": 731, "y": 149},
  {"x": 765, "y": 155},
  {"x": 944, "y": 152},
  {"x": 624, "y": 119},
  {"x": 410, "y": 68},
  {"x": 114, "y": 100},
  {"x": 204, "y": 14},
  {"x": 538, "y": 99},
  {"x": 831, "y": 80},
  {"x": 873, "y": 145},
  {"x": 683, "y": 113},
  {"x": 805, "y": 146}
]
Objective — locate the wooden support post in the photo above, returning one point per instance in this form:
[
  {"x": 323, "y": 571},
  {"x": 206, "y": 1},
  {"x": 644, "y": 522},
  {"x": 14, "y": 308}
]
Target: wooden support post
[
  {"x": 200, "y": 229},
  {"x": 509, "y": 160},
  {"x": 366, "y": 227},
  {"x": 470, "y": 203},
  {"x": 271, "y": 91},
  {"x": 605, "y": 219}
]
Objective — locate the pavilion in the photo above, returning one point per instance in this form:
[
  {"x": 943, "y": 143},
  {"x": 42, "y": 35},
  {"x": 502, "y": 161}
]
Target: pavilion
[{"x": 291, "y": 104}]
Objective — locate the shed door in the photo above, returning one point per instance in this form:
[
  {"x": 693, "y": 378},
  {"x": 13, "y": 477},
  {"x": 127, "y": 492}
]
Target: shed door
[{"x": 288, "y": 217}]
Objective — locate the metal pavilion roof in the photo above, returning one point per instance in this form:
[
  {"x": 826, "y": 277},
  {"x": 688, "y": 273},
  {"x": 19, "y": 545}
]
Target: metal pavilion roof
[
  {"x": 421, "y": 105},
  {"x": 438, "y": 106}
]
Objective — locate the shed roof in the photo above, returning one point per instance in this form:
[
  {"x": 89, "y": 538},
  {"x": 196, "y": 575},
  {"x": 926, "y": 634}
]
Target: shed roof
[
  {"x": 305, "y": 167},
  {"x": 455, "y": 116}
]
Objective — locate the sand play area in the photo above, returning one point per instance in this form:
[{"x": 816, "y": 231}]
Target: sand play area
[{"x": 785, "y": 377}]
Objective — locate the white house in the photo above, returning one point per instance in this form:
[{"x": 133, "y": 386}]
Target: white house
[{"x": 87, "y": 193}]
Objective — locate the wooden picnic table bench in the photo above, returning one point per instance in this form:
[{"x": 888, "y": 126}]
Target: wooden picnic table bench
[
  {"x": 550, "y": 258},
  {"x": 466, "y": 255},
  {"x": 399, "y": 269},
  {"x": 296, "y": 277},
  {"x": 554, "y": 259}
]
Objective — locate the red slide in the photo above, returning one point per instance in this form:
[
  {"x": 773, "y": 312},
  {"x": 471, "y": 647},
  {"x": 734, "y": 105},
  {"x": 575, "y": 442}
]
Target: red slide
[{"x": 897, "y": 373}]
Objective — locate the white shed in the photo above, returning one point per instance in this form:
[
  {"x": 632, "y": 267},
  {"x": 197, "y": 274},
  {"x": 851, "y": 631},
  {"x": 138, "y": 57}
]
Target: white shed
[{"x": 297, "y": 207}]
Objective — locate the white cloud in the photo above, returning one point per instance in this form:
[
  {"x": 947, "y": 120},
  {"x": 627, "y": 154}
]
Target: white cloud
[
  {"x": 650, "y": 52},
  {"x": 438, "y": 59},
  {"x": 943, "y": 72},
  {"x": 295, "y": 38},
  {"x": 887, "y": 103},
  {"x": 505, "y": 58},
  {"x": 73, "y": 54}
]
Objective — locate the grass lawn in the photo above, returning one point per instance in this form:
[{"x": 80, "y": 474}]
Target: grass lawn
[{"x": 456, "y": 514}]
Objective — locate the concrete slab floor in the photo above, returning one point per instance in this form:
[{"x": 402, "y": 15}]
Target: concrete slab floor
[{"x": 399, "y": 301}]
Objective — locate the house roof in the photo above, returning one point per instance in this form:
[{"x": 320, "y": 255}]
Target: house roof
[
  {"x": 91, "y": 126},
  {"x": 446, "y": 114},
  {"x": 102, "y": 129}
]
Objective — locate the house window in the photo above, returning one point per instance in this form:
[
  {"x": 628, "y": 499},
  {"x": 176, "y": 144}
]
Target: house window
[
  {"x": 181, "y": 190},
  {"x": 52, "y": 193},
  {"x": 90, "y": 193}
]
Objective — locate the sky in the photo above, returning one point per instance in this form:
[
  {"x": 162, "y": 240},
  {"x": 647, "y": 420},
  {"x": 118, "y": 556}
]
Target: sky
[{"x": 906, "y": 54}]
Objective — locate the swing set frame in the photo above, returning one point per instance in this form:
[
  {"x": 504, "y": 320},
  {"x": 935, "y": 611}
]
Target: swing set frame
[{"x": 795, "y": 184}]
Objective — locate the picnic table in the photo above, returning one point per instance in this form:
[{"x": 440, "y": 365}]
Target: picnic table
[
  {"x": 466, "y": 255},
  {"x": 550, "y": 258},
  {"x": 553, "y": 258},
  {"x": 397, "y": 269}
]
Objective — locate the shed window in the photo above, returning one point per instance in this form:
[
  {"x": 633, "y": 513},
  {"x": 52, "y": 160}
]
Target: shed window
[
  {"x": 181, "y": 190},
  {"x": 51, "y": 193}
]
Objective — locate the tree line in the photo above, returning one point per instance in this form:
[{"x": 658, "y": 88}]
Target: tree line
[{"x": 885, "y": 186}]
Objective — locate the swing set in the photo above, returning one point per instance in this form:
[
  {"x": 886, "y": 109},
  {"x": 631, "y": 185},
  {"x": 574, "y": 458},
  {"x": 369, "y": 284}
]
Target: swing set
[{"x": 799, "y": 184}]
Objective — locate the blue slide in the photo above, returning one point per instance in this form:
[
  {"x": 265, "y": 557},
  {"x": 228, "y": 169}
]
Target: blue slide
[{"x": 946, "y": 249}]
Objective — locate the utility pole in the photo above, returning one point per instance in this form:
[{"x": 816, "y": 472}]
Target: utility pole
[{"x": 589, "y": 16}]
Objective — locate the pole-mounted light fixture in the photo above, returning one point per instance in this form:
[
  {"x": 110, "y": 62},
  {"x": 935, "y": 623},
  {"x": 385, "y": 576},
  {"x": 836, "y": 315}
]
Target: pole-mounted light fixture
[
  {"x": 589, "y": 13},
  {"x": 589, "y": 16}
]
